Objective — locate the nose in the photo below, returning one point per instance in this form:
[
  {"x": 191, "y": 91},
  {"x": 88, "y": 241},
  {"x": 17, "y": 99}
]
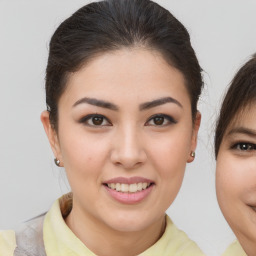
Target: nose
[{"x": 128, "y": 150}]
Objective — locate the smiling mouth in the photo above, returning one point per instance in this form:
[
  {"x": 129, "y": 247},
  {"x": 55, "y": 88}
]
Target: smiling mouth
[{"x": 129, "y": 188}]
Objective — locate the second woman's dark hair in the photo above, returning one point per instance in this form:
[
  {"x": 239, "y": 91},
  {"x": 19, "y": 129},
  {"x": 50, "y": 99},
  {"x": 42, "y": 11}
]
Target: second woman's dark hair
[
  {"x": 241, "y": 93},
  {"x": 111, "y": 25}
]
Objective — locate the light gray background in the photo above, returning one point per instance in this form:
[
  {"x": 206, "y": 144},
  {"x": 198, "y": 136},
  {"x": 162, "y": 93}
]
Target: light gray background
[{"x": 223, "y": 34}]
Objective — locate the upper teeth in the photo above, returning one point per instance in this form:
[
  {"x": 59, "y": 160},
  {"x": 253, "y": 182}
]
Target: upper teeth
[{"x": 132, "y": 188}]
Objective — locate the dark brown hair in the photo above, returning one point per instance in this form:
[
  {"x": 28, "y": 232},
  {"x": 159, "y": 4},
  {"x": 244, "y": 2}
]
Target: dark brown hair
[
  {"x": 110, "y": 25},
  {"x": 241, "y": 93}
]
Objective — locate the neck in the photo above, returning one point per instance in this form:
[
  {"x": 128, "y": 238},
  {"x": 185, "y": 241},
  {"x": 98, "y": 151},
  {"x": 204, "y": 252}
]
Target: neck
[{"x": 113, "y": 242}]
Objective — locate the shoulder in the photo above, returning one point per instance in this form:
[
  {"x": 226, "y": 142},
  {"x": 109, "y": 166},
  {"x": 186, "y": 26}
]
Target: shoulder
[
  {"x": 173, "y": 242},
  {"x": 26, "y": 240},
  {"x": 7, "y": 242},
  {"x": 235, "y": 249},
  {"x": 29, "y": 237},
  {"x": 180, "y": 241}
]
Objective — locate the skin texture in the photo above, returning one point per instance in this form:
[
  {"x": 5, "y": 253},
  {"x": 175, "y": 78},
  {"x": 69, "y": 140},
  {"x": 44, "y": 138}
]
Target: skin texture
[
  {"x": 236, "y": 178},
  {"x": 127, "y": 144}
]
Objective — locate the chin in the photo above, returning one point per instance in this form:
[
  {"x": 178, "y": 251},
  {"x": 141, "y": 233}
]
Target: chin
[{"x": 131, "y": 222}]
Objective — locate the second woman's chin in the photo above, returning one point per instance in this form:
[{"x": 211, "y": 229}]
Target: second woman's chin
[
  {"x": 243, "y": 224},
  {"x": 247, "y": 239}
]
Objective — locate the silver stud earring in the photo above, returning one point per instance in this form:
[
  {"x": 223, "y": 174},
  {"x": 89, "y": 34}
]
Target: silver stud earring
[
  {"x": 57, "y": 162},
  {"x": 193, "y": 154}
]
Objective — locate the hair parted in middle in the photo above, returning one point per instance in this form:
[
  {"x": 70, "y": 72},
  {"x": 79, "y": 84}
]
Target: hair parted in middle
[{"x": 110, "y": 25}]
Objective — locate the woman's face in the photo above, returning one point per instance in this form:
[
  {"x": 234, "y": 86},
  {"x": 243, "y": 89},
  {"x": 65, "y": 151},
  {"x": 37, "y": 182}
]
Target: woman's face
[
  {"x": 125, "y": 134},
  {"x": 236, "y": 178}
]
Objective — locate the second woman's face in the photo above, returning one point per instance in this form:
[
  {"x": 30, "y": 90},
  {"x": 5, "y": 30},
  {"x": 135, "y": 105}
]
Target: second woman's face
[
  {"x": 125, "y": 135},
  {"x": 236, "y": 178}
]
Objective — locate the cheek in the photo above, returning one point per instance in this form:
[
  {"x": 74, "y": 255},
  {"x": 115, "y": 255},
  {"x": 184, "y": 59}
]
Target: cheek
[
  {"x": 227, "y": 181},
  {"x": 170, "y": 158},
  {"x": 170, "y": 153},
  {"x": 83, "y": 154},
  {"x": 234, "y": 176}
]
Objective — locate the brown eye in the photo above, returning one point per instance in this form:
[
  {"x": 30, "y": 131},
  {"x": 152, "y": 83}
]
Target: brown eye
[
  {"x": 94, "y": 120},
  {"x": 97, "y": 120},
  {"x": 159, "y": 120},
  {"x": 245, "y": 146}
]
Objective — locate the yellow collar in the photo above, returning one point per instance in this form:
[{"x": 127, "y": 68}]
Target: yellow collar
[{"x": 60, "y": 240}]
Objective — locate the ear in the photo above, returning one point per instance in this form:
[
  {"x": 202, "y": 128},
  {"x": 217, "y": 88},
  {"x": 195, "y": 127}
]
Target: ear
[
  {"x": 52, "y": 135},
  {"x": 196, "y": 126}
]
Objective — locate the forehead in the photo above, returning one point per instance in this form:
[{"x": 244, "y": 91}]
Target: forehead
[
  {"x": 245, "y": 117},
  {"x": 127, "y": 72}
]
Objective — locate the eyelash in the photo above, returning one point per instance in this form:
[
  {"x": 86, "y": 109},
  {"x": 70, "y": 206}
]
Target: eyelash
[
  {"x": 248, "y": 146},
  {"x": 85, "y": 120},
  {"x": 167, "y": 120},
  {"x": 170, "y": 120}
]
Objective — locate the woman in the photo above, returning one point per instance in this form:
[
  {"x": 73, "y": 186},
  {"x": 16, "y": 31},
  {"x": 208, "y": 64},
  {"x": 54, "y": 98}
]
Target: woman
[
  {"x": 235, "y": 144},
  {"x": 122, "y": 85}
]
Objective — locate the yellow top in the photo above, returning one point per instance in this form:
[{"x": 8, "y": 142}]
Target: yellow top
[
  {"x": 235, "y": 249},
  {"x": 60, "y": 240},
  {"x": 7, "y": 243}
]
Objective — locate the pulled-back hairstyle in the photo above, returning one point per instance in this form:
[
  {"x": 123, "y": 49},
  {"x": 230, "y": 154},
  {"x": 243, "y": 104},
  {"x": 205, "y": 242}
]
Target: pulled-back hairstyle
[
  {"x": 110, "y": 25},
  {"x": 241, "y": 94}
]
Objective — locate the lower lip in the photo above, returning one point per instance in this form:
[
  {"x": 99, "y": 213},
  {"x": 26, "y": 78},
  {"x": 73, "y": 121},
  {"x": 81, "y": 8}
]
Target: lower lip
[{"x": 129, "y": 198}]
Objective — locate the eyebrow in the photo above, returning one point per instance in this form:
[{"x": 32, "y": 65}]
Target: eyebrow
[
  {"x": 111, "y": 106},
  {"x": 242, "y": 130},
  {"x": 96, "y": 102},
  {"x": 158, "y": 102}
]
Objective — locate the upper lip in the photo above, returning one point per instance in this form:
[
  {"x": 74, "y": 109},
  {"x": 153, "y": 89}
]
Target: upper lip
[{"x": 130, "y": 180}]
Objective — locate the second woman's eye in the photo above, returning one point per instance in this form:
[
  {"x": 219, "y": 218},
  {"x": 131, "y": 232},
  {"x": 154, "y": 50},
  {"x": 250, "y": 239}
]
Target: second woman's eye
[
  {"x": 244, "y": 146},
  {"x": 160, "y": 120},
  {"x": 95, "y": 120}
]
